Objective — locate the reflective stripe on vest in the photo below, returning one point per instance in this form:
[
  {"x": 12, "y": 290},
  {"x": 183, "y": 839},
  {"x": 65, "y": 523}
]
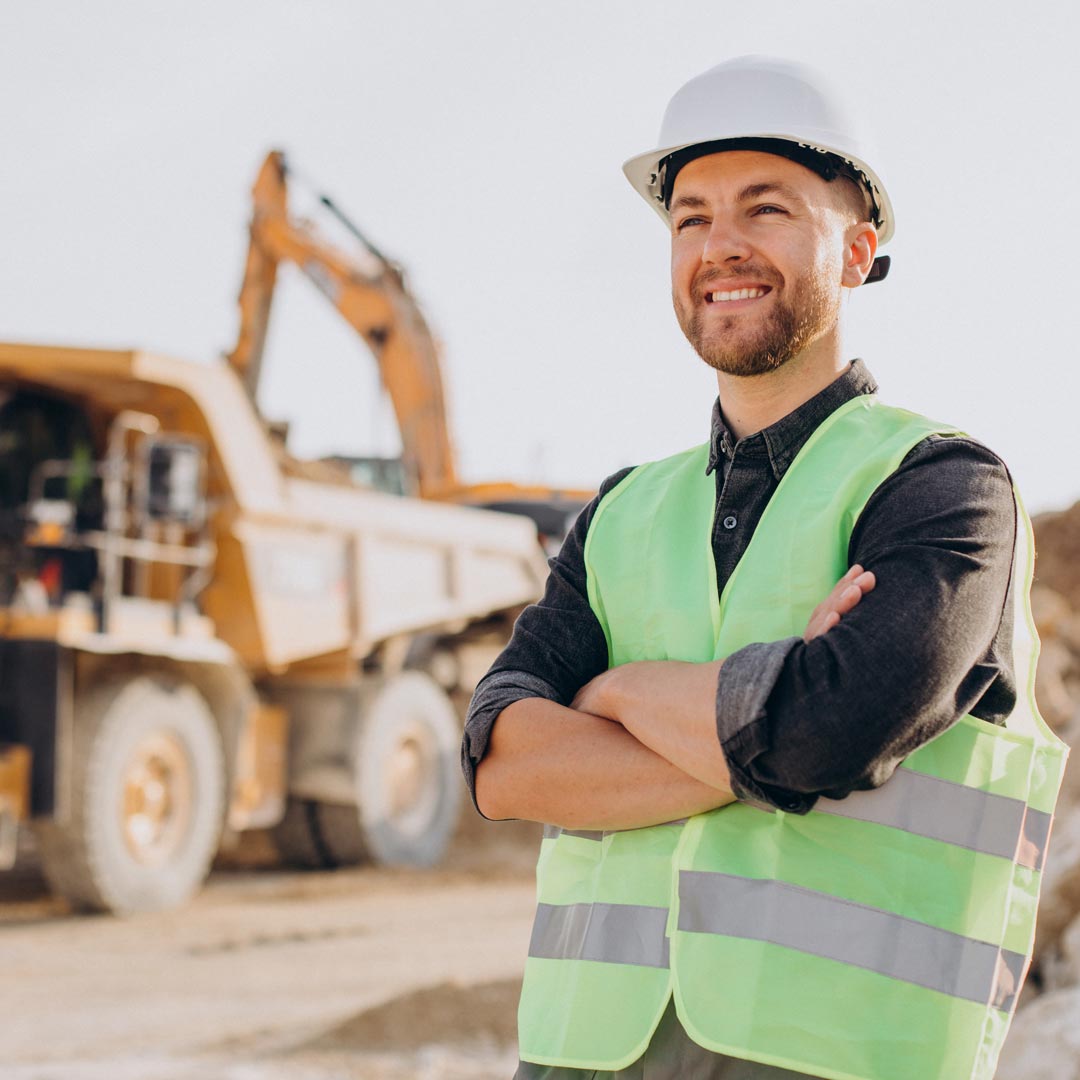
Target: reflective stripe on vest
[
  {"x": 951, "y": 813},
  {"x": 823, "y": 925},
  {"x": 880, "y": 937},
  {"x": 609, "y": 933}
]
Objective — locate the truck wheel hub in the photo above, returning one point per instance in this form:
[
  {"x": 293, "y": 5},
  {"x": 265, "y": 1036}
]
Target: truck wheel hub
[
  {"x": 158, "y": 799},
  {"x": 412, "y": 779}
]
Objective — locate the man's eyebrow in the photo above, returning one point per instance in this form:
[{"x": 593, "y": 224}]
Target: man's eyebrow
[
  {"x": 694, "y": 201},
  {"x": 769, "y": 187}
]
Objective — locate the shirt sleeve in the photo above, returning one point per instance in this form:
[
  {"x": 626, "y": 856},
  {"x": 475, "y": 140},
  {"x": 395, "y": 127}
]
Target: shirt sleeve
[
  {"x": 931, "y": 642},
  {"x": 557, "y": 646}
]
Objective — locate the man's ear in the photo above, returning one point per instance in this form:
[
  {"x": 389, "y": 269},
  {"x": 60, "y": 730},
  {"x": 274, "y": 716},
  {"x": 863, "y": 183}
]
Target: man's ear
[{"x": 860, "y": 246}]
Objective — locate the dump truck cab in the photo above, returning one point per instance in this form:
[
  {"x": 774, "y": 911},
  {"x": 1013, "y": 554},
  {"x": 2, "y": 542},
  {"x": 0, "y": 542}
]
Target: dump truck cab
[{"x": 104, "y": 550}]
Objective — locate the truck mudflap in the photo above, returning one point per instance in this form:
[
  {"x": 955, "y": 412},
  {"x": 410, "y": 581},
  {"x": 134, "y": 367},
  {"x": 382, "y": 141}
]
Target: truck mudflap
[{"x": 14, "y": 798}]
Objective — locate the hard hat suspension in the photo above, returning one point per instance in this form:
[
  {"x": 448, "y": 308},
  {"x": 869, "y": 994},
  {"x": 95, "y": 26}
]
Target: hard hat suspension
[{"x": 824, "y": 163}]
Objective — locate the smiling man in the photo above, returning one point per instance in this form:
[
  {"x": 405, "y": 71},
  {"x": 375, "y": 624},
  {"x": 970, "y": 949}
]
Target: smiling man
[{"x": 775, "y": 707}]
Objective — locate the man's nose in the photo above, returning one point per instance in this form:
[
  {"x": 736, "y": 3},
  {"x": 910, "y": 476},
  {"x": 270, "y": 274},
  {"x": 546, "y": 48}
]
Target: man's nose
[{"x": 725, "y": 243}]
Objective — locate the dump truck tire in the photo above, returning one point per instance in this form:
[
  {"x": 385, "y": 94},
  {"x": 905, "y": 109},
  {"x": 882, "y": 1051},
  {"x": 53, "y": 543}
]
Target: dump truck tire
[
  {"x": 147, "y": 798},
  {"x": 408, "y": 782},
  {"x": 317, "y": 835},
  {"x": 298, "y": 838},
  {"x": 340, "y": 834}
]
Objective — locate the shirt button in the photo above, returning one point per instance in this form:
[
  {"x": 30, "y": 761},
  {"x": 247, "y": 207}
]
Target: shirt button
[{"x": 730, "y": 521}]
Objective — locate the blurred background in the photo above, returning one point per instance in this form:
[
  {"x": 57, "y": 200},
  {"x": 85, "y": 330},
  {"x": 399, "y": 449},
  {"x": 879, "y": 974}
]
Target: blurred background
[{"x": 478, "y": 146}]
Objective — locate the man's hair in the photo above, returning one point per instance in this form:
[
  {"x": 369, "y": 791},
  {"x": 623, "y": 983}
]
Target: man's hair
[{"x": 854, "y": 197}]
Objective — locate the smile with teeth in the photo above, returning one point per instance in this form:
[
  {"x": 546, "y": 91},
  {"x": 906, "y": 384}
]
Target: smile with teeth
[{"x": 721, "y": 297}]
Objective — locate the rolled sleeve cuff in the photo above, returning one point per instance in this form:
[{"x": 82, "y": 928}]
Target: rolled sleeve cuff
[
  {"x": 494, "y": 693},
  {"x": 746, "y": 681}
]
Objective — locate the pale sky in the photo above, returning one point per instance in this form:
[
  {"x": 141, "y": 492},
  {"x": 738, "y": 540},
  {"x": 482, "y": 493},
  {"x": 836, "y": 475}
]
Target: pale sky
[{"x": 480, "y": 145}]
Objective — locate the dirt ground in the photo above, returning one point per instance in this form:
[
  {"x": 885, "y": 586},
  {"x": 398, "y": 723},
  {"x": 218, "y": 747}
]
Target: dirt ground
[{"x": 269, "y": 974}]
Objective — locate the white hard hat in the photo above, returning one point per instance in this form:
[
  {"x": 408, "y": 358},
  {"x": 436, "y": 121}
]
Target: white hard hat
[{"x": 759, "y": 103}]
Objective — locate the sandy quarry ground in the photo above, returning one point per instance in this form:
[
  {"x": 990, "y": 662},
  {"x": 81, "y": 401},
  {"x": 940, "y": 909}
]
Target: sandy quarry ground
[{"x": 271, "y": 974}]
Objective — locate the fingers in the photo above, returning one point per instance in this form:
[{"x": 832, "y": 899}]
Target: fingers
[
  {"x": 846, "y": 600},
  {"x": 858, "y": 577},
  {"x": 853, "y": 592},
  {"x": 844, "y": 596},
  {"x": 864, "y": 580}
]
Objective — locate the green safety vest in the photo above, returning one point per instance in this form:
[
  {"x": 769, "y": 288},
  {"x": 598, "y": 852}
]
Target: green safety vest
[{"x": 884, "y": 936}]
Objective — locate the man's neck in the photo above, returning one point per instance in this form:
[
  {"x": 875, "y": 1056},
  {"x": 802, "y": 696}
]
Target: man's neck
[{"x": 752, "y": 403}]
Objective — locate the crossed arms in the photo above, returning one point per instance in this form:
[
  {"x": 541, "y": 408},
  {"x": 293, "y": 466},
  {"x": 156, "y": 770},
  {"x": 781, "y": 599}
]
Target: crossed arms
[
  {"x": 552, "y": 736},
  {"x": 637, "y": 746}
]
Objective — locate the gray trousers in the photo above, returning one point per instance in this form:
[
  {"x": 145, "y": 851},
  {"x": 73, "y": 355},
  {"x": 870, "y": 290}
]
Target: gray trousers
[{"x": 670, "y": 1055}]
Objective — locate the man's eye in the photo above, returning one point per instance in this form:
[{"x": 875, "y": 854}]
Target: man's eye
[
  {"x": 686, "y": 222},
  {"x": 769, "y": 209}
]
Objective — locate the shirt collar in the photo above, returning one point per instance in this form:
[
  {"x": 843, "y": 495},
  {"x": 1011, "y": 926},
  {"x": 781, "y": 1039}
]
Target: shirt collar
[{"x": 784, "y": 439}]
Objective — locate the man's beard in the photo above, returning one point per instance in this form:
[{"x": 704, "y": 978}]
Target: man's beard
[{"x": 813, "y": 309}]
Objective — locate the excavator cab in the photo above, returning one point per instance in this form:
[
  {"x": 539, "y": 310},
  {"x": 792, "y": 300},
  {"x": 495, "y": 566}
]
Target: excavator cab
[{"x": 389, "y": 475}]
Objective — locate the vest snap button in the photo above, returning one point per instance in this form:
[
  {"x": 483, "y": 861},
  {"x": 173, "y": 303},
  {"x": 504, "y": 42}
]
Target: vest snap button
[{"x": 730, "y": 521}]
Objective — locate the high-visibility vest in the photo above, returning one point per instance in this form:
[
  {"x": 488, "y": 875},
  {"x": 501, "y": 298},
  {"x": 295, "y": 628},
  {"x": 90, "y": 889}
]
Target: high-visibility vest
[{"x": 884, "y": 936}]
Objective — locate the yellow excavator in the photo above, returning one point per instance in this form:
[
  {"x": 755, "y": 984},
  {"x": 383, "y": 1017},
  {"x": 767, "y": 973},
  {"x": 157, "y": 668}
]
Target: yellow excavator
[{"x": 370, "y": 293}]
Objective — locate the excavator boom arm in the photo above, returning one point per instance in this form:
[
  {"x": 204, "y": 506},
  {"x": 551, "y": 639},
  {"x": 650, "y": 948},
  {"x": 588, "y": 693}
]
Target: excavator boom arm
[{"x": 373, "y": 300}]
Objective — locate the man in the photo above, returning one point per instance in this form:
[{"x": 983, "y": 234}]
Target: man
[{"x": 775, "y": 707}]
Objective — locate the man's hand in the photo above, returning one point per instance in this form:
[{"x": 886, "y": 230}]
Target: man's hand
[
  {"x": 669, "y": 683},
  {"x": 846, "y": 593},
  {"x": 669, "y": 706}
]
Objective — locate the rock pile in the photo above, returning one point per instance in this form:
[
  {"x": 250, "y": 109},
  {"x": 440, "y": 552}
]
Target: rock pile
[{"x": 1044, "y": 1043}]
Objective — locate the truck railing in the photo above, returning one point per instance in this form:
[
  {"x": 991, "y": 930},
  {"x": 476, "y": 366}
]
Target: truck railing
[{"x": 127, "y": 497}]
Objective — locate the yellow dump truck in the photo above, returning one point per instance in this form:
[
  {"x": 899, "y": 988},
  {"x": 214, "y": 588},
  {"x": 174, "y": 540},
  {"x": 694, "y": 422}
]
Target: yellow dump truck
[{"x": 199, "y": 635}]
